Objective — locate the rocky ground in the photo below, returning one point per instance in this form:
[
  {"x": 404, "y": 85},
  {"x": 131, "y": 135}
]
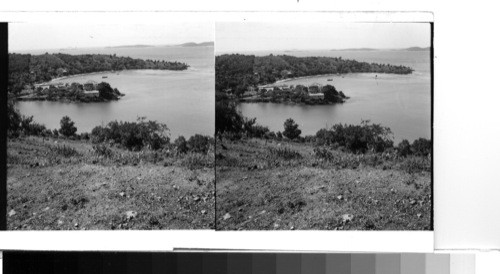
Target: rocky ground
[
  {"x": 259, "y": 189},
  {"x": 62, "y": 184}
]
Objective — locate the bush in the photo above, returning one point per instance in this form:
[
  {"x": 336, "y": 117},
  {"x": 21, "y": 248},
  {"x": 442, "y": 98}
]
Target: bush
[
  {"x": 67, "y": 127},
  {"x": 65, "y": 151},
  {"x": 133, "y": 135},
  {"x": 357, "y": 138},
  {"x": 29, "y": 127},
  {"x": 14, "y": 119},
  {"x": 103, "y": 150},
  {"x": 292, "y": 130},
  {"x": 404, "y": 148},
  {"x": 416, "y": 164},
  {"x": 227, "y": 118},
  {"x": 181, "y": 145},
  {"x": 284, "y": 153},
  {"x": 197, "y": 160},
  {"x": 254, "y": 130},
  {"x": 421, "y": 147},
  {"x": 85, "y": 136},
  {"x": 199, "y": 144}
]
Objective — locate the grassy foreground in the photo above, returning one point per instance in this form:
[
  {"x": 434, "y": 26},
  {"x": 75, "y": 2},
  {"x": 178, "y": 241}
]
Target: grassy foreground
[
  {"x": 280, "y": 185},
  {"x": 63, "y": 184}
]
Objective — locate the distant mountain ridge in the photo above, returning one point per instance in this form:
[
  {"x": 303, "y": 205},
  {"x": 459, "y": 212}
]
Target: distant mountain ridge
[
  {"x": 373, "y": 49},
  {"x": 418, "y": 49},
  {"x": 188, "y": 44},
  {"x": 193, "y": 44}
]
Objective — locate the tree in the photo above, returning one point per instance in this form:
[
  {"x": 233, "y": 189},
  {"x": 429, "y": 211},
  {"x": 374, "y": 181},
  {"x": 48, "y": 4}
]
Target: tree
[
  {"x": 404, "y": 148},
  {"x": 106, "y": 91},
  {"x": 227, "y": 118},
  {"x": 421, "y": 147},
  {"x": 331, "y": 94},
  {"x": 67, "y": 127},
  {"x": 181, "y": 145},
  {"x": 292, "y": 130},
  {"x": 14, "y": 119}
]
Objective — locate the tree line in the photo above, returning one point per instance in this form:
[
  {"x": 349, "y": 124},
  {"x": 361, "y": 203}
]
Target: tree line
[
  {"x": 133, "y": 136},
  {"x": 27, "y": 69},
  {"x": 365, "y": 137},
  {"x": 234, "y": 73}
]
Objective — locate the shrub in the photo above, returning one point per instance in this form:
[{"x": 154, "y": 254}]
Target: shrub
[
  {"x": 103, "y": 150},
  {"x": 14, "y": 119},
  {"x": 284, "y": 153},
  {"x": 65, "y": 151},
  {"x": 133, "y": 135},
  {"x": 421, "y": 147},
  {"x": 55, "y": 132},
  {"x": 416, "y": 164},
  {"x": 292, "y": 130},
  {"x": 323, "y": 153},
  {"x": 254, "y": 130},
  {"x": 270, "y": 135},
  {"x": 197, "y": 160},
  {"x": 357, "y": 138},
  {"x": 85, "y": 136},
  {"x": 199, "y": 143},
  {"x": 29, "y": 127},
  {"x": 227, "y": 118},
  {"x": 181, "y": 145},
  {"x": 404, "y": 148},
  {"x": 67, "y": 127}
]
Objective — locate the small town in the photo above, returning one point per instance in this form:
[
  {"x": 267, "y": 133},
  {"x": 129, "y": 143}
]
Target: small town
[
  {"x": 312, "y": 94},
  {"x": 87, "y": 92}
]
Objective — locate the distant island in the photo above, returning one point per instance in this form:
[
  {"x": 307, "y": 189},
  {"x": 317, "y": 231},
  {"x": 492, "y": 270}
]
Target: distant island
[
  {"x": 355, "y": 49},
  {"x": 418, "y": 49},
  {"x": 26, "y": 70},
  {"x": 250, "y": 78},
  {"x": 188, "y": 44},
  {"x": 373, "y": 49},
  {"x": 203, "y": 44}
]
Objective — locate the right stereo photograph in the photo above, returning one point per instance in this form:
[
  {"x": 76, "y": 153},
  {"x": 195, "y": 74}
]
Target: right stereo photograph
[{"x": 323, "y": 126}]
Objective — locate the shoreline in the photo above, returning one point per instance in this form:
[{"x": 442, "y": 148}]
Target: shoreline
[
  {"x": 321, "y": 75},
  {"x": 94, "y": 73}
]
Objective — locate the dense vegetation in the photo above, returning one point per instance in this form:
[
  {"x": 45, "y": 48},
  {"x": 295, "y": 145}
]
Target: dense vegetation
[
  {"x": 299, "y": 94},
  {"x": 234, "y": 73},
  {"x": 73, "y": 92},
  {"x": 27, "y": 69},
  {"x": 358, "y": 139},
  {"x": 133, "y": 136}
]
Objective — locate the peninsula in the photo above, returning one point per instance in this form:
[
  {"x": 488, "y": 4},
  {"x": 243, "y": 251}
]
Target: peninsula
[
  {"x": 250, "y": 78},
  {"x": 26, "y": 70}
]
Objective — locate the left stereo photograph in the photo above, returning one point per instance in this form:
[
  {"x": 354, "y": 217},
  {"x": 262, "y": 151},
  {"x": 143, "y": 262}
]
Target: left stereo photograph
[{"x": 110, "y": 126}]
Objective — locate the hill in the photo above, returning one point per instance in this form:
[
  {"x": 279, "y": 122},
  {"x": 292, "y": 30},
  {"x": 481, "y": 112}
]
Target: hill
[
  {"x": 192, "y": 44},
  {"x": 234, "y": 73},
  {"x": 27, "y": 69}
]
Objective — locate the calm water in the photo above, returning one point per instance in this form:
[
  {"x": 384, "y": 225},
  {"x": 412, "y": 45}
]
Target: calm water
[
  {"x": 184, "y": 100},
  {"x": 401, "y": 102}
]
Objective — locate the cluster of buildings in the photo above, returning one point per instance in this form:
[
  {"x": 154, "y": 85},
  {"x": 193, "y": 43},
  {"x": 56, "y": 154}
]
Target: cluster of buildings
[
  {"x": 313, "y": 90},
  {"x": 89, "y": 88}
]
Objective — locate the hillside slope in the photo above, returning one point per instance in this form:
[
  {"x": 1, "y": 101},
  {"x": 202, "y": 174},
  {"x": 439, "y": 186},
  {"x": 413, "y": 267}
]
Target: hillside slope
[
  {"x": 283, "y": 185},
  {"x": 63, "y": 184}
]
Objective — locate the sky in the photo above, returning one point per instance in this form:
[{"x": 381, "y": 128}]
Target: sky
[
  {"x": 252, "y": 36},
  {"x": 35, "y": 36}
]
